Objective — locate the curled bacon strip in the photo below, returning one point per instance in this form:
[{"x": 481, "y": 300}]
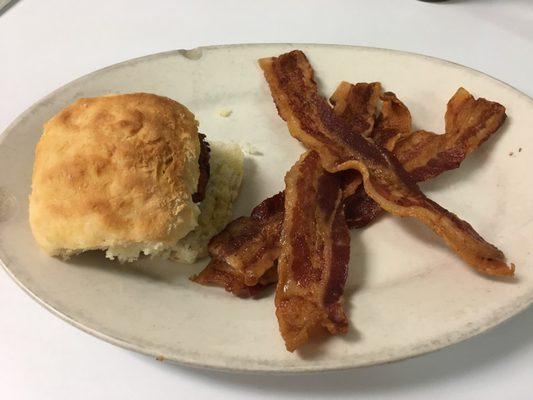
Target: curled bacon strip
[
  {"x": 356, "y": 104},
  {"x": 247, "y": 247},
  {"x": 469, "y": 123},
  {"x": 314, "y": 257},
  {"x": 246, "y": 250},
  {"x": 392, "y": 124},
  {"x": 218, "y": 273},
  {"x": 311, "y": 120},
  {"x": 250, "y": 245}
]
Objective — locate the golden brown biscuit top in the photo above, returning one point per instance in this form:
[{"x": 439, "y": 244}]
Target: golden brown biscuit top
[{"x": 114, "y": 171}]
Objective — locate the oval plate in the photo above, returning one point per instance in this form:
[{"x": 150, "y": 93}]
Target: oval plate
[{"x": 406, "y": 295}]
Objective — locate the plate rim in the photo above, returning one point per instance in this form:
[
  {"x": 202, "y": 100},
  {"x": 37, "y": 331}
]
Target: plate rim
[{"x": 500, "y": 316}]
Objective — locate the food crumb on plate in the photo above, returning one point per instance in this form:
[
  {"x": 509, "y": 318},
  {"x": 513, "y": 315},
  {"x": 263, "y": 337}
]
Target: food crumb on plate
[
  {"x": 251, "y": 150},
  {"x": 225, "y": 112}
]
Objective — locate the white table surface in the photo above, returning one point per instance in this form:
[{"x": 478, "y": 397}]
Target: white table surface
[{"x": 44, "y": 44}]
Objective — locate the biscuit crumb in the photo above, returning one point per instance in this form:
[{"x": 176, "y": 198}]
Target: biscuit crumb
[
  {"x": 249, "y": 149},
  {"x": 160, "y": 358},
  {"x": 225, "y": 112},
  {"x": 511, "y": 154},
  {"x": 520, "y": 150}
]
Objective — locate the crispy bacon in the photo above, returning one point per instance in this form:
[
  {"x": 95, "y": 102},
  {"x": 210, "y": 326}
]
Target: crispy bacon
[
  {"x": 314, "y": 257},
  {"x": 356, "y": 104},
  {"x": 250, "y": 245},
  {"x": 244, "y": 254},
  {"x": 392, "y": 124},
  {"x": 219, "y": 273},
  {"x": 247, "y": 246},
  {"x": 311, "y": 120},
  {"x": 469, "y": 123},
  {"x": 360, "y": 209}
]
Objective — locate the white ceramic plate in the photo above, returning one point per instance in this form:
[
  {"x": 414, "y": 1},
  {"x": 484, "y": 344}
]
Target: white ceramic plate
[{"x": 406, "y": 294}]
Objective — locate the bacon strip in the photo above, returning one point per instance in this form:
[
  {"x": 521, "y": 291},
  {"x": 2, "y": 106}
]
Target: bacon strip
[
  {"x": 356, "y": 104},
  {"x": 247, "y": 247},
  {"x": 314, "y": 257},
  {"x": 250, "y": 245},
  {"x": 392, "y": 124},
  {"x": 311, "y": 120},
  {"x": 469, "y": 123},
  {"x": 218, "y": 273},
  {"x": 244, "y": 253}
]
